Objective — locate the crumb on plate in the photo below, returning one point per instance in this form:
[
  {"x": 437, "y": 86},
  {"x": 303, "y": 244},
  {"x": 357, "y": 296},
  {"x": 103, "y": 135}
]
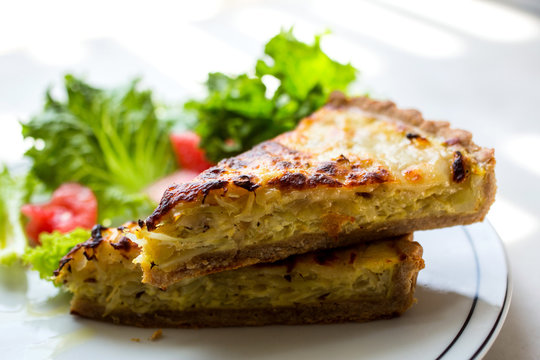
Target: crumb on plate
[{"x": 156, "y": 335}]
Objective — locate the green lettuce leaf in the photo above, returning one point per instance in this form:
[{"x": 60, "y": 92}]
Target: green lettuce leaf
[
  {"x": 109, "y": 140},
  {"x": 239, "y": 111},
  {"x": 54, "y": 246},
  {"x": 305, "y": 71}
]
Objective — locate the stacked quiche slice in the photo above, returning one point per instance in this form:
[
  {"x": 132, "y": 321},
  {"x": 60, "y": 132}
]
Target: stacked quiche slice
[{"x": 313, "y": 226}]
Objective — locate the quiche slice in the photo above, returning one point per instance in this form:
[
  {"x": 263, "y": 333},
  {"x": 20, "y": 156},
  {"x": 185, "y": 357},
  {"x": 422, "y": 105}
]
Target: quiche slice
[
  {"x": 358, "y": 169},
  {"x": 363, "y": 282}
]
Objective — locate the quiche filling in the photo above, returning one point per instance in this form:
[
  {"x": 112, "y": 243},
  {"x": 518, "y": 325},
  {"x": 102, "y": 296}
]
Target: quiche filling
[
  {"x": 271, "y": 216},
  {"x": 106, "y": 275}
]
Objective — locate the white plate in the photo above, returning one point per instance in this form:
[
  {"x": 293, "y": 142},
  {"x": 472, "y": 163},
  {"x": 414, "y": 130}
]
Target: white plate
[{"x": 463, "y": 296}]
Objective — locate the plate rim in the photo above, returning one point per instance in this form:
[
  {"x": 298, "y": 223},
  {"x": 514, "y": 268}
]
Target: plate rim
[
  {"x": 503, "y": 313},
  {"x": 493, "y": 333}
]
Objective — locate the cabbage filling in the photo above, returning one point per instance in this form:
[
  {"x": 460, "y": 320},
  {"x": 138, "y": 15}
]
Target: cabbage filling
[
  {"x": 270, "y": 216},
  {"x": 368, "y": 274}
]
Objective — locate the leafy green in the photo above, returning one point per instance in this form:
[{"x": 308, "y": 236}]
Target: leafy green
[
  {"x": 306, "y": 73},
  {"x": 238, "y": 113},
  {"x": 54, "y": 246},
  {"x": 235, "y": 115},
  {"x": 109, "y": 140},
  {"x": 12, "y": 196}
]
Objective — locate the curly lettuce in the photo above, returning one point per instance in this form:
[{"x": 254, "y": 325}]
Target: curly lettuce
[
  {"x": 109, "y": 140},
  {"x": 54, "y": 246},
  {"x": 239, "y": 111}
]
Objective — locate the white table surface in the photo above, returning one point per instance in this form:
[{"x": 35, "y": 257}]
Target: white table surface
[{"x": 474, "y": 63}]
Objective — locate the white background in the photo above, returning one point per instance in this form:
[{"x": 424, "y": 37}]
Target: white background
[{"x": 474, "y": 63}]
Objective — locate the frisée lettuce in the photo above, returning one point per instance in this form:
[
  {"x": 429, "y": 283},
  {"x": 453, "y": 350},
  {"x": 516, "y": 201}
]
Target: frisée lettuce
[{"x": 54, "y": 246}]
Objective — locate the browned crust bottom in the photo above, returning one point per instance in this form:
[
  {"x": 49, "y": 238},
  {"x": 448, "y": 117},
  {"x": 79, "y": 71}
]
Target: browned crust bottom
[
  {"x": 205, "y": 264},
  {"x": 360, "y": 310}
]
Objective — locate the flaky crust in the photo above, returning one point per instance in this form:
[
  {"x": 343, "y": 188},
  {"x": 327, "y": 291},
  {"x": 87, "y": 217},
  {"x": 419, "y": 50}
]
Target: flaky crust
[{"x": 351, "y": 310}]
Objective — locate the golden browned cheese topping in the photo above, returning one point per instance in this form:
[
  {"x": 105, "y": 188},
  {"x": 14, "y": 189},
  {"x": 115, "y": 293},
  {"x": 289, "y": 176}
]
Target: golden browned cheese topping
[{"x": 275, "y": 163}]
